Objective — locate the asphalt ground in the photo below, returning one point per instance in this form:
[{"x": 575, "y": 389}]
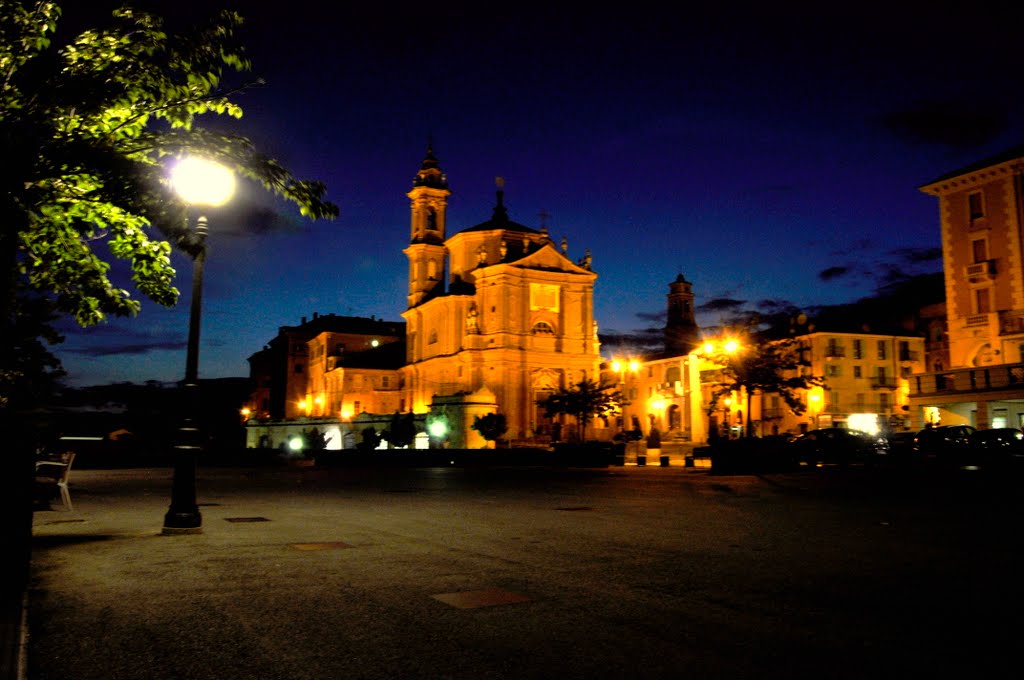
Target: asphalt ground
[{"x": 502, "y": 572}]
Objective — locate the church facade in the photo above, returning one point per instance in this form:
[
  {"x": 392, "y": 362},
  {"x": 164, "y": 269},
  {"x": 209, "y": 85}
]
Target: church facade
[
  {"x": 496, "y": 306},
  {"x": 498, "y": 316}
]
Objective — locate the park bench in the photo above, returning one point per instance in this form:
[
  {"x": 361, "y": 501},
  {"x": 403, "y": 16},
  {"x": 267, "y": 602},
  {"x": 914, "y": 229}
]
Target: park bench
[{"x": 51, "y": 479}]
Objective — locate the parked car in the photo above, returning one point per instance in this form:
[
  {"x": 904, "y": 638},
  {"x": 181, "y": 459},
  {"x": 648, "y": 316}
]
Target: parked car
[
  {"x": 997, "y": 449},
  {"x": 839, "y": 446},
  {"x": 901, "y": 447},
  {"x": 948, "y": 445}
]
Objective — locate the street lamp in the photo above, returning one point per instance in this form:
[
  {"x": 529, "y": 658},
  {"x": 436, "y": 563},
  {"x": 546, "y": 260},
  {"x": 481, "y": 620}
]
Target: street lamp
[
  {"x": 202, "y": 183},
  {"x": 621, "y": 367},
  {"x": 730, "y": 347}
]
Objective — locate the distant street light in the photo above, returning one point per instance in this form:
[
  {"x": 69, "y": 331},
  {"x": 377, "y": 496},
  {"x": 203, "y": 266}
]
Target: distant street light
[{"x": 201, "y": 183}]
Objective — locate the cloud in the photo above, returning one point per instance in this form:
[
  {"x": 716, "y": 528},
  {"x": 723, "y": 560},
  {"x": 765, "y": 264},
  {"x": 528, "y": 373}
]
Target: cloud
[
  {"x": 653, "y": 317},
  {"x": 127, "y": 348},
  {"x": 834, "y": 272},
  {"x": 721, "y": 305},
  {"x": 955, "y": 124},
  {"x": 891, "y": 267},
  {"x": 918, "y": 255}
]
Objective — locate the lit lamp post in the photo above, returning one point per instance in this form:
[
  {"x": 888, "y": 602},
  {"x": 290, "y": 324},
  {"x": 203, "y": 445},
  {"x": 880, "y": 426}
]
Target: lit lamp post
[
  {"x": 200, "y": 183},
  {"x": 730, "y": 347},
  {"x": 620, "y": 367}
]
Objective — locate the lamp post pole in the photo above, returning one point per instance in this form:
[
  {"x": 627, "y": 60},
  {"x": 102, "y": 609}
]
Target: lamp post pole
[
  {"x": 198, "y": 182},
  {"x": 183, "y": 516}
]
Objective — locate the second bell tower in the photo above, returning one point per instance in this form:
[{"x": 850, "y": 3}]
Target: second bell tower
[{"x": 426, "y": 251}]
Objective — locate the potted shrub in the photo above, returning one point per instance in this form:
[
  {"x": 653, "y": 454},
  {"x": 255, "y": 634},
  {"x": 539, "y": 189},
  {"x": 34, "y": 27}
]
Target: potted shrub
[{"x": 491, "y": 427}]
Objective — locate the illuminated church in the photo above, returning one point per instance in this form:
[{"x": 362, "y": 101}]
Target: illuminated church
[{"x": 497, "y": 317}]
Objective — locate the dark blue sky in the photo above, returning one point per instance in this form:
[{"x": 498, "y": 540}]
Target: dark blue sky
[{"x": 749, "y": 148}]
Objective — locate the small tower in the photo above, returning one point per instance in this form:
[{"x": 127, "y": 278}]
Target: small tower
[
  {"x": 681, "y": 332},
  {"x": 426, "y": 251}
]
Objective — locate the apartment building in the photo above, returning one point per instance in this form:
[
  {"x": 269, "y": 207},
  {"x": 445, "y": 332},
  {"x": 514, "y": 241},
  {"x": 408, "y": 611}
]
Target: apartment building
[{"x": 981, "y": 218}]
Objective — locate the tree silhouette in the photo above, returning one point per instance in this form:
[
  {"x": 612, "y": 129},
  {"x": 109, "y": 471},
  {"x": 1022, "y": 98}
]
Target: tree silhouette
[
  {"x": 766, "y": 367},
  {"x": 583, "y": 401},
  {"x": 491, "y": 426}
]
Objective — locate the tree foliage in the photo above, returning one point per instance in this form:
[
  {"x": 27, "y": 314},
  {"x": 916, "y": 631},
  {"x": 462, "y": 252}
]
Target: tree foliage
[
  {"x": 584, "y": 401},
  {"x": 766, "y": 367},
  {"x": 491, "y": 426},
  {"x": 87, "y": 129},
  {"x": 401, "y": 433},
  {"x": 29, "y": 372}
]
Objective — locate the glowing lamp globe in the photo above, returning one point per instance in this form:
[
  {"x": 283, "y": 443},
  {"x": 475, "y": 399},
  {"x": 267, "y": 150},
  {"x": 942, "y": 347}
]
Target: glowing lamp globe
[{"x": 203, "y": 182}]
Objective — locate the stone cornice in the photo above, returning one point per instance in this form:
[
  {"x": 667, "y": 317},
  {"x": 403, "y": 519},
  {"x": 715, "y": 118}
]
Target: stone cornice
[{"x": 975, "y": 178}]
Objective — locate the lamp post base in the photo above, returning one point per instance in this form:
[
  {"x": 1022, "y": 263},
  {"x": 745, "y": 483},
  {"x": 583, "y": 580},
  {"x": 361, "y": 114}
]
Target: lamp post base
[
  {"x": 180, "y": 531},
  {"x": 183, "y": 516}
]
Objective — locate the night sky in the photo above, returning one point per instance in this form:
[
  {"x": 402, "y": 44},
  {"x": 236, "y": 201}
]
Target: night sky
[{"x": 748, "y": 148}]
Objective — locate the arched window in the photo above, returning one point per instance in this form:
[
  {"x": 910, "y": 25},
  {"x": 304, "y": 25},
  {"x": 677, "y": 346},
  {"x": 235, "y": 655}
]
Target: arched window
[{"x": 543, "y": 328}]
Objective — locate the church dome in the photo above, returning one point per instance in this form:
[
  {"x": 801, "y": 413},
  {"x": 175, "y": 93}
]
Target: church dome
[{"x": 500, "y": 219}]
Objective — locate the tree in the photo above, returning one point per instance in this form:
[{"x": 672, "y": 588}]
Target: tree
[
  {"x": 30, "y": 372},
  {"x": 314, "y": 440},
  {"x": 768, "y": 367},
  {"x": 491, "y": 426},
  {"x": 370, "y": 439},
  {"x": 584, "y": 401},
  {"x": 87, "y": 128},
  {"x": 402, "y": 431}
]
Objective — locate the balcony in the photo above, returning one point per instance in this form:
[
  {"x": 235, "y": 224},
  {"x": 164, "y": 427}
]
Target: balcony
[
  {"x": 965, "y": 380},
  {"x": 883, "y": 383},
  {"x": 834, "y": 352},
  {"x": 909, "y": 355},
  {"x": 980, "y": 272}
]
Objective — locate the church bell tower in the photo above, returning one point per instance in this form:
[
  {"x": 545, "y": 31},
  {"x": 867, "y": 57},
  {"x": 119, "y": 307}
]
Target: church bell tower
[
  {"x": 426, "y": 251},
  {"x": 681, "y": 332}
]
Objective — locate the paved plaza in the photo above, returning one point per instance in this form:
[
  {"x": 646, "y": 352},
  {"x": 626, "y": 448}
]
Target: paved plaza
[{"x": 528, "y": 572}]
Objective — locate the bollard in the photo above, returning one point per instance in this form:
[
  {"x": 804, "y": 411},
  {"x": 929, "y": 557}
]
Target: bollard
[{"x": 664, "y": 461}]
